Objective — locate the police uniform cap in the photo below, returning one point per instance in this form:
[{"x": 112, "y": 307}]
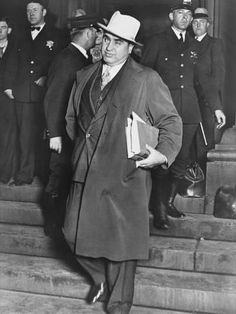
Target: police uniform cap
[
  {"x": 84, "y": 21},
  {"x": 181, "y": 4}
]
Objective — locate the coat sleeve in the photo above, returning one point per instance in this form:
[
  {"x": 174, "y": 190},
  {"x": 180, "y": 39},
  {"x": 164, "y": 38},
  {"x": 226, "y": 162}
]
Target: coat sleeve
[
  {"x": 163, "y": 115},
  {"x": 213, "y": 83},
  {"x": 60, "y": 82},
  {"x": 71, "y": 114},
  {"x": 150, "y": 53}
]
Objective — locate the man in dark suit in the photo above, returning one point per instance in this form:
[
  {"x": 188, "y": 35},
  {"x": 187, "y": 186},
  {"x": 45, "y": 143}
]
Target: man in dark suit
[
  {"x": 61, "y": 77},
  {"x": 36, "y": 50},
  {"x": 8, "y": 125},
  {"x": 210, "y": 71},
  {"x": 173, "y": 54},
  {"x": 107, "y": 220}
]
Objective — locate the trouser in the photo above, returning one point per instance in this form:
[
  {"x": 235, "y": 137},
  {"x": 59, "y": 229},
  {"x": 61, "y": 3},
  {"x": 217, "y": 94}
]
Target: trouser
[
  {"x": 58, "y": 184},
  {"x": 31, "y": 122},
  {"x": 119, "y": 278},
  {"x": 184, "y": 158}
]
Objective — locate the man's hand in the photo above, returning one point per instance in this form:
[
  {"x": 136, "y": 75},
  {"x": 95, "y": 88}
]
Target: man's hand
[
  {"x": 41, "y": 81},
  {"x": 9, "y": 93},
  {"x": 220, "y": 118},
  {"x": 55, "y": 143},
  {"x": 154, "y": 158}
]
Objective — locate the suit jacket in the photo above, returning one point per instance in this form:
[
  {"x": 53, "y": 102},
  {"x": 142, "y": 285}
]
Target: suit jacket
[
  {"x": 33, "y": 60},
  {"x": 175, "y": 64},
  {"x": 116, "y": 193},
  {"x": 61, "y": 77},
  {"x": 8, "y": 66},
  {"x": 210, "y": 71}
]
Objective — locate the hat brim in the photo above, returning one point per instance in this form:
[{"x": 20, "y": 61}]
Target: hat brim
[
  {"x": 185, "y": 7},
  {"x": 117, "y": 35},
  {"x": 200, "y": 16}
]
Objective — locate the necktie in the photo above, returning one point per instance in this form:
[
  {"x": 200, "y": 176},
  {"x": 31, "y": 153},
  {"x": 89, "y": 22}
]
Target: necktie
[
  {"x": 106, "y": 77},
  {"x": 181, "y": 39},
  {"x": 1, "y": 51},
  {"x": 35, "y": 28}
]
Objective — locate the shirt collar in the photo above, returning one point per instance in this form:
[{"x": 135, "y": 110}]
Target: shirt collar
[
  {"x": 4, "y": 44},
  {"x": 81, "y": 49},
  {"x": 177, "y": 33},
  {"x": 200, "y": 38},
  {"x": 113, "y": 70}
]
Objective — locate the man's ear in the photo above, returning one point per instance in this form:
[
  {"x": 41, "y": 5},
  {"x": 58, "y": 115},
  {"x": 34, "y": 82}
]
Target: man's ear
[
  {"x": 44, "y": 12},
  {"x": 171, "y": 16},
  {"x": 9, "y": 30},
  {"x": 131, "y": 46}
]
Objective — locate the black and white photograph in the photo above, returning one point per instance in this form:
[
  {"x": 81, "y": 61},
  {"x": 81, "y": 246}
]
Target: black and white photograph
[{"x": 117, "y": 157}]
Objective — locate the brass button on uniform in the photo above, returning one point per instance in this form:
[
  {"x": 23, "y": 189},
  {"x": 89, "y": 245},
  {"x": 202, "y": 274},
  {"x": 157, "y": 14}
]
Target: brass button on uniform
[
  {"x": 182, "y": 65},
  {"x": 31, "y": 71},
  {"x": 182, "y": 86},
  {"x": 88, "y": 135}
]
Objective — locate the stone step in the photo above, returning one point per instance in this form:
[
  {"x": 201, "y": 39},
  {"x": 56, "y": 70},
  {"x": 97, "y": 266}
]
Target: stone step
[
  {"x": 25, "y": 213},
  {"x": 193, "y": 205},
  {"x": 165, "y": 252},
  {"x": 191, "y": 226},
  {"x": 199, "y": 226},
  {"x": 13, "y": 302},
  {"x": 25, "y": 193},
  {"x": 154, "y": 288}
]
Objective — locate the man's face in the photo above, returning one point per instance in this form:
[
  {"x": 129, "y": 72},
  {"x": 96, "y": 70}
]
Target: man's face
[
  {"x": 4, "y": 30},
  {"x": 35, "y": 13},
  {"x": 181, "y": 18},
  {"x": 200, "y": 26},
  {"x": 114, "y": 49}
]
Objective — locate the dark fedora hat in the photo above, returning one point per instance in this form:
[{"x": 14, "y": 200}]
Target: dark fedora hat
[{"x": 181, "y": 4}]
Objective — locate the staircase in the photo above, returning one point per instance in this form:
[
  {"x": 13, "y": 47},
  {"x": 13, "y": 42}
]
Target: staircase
[{"x": 192, "y": 266}]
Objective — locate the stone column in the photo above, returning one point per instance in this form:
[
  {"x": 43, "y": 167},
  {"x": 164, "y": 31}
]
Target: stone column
[{"x": 221, "y": 167}]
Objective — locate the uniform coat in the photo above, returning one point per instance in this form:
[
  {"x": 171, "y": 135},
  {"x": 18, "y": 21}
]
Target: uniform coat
[
  {"x": 113, "y": 215},
  {"x": 34, "y": 59},
  {"x": 175, "y": 64}
]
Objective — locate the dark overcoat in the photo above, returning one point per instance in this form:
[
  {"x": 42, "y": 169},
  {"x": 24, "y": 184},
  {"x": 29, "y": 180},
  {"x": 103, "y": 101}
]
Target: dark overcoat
[
  {"x": 210, "y": 71},
  {"x": 114, "y": 220},
  {"x": 61, "y": 76},
  {"x": 175, "y": 64},
  {"x": 33, "y": 59}
]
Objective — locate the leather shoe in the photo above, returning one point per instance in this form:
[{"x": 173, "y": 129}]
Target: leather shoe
[
  {"x": 173, "y": 211},
  {"x": 96, "y": 292},
  {"x": 160, "y": 219}
]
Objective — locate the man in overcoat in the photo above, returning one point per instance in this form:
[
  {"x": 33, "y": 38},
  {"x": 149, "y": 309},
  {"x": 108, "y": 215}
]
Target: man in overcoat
[
  {"x": 173, "y": 54},
  {"x": 61, "y": 76},
  {"x": 107, "y": 221},
  {"x": 36, "y": 50},
  {"x": 210, "y": 76}
]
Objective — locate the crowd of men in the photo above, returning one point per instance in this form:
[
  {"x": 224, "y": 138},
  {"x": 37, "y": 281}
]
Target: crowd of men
[{"x": 56, "y": 96}]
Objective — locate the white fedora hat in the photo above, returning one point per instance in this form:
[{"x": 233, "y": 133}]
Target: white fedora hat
[{"x": 123, "y": 26}]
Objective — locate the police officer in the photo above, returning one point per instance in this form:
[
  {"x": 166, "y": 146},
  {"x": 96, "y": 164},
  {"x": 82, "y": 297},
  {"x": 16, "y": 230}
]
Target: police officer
[
  {"x": 173, "y": 54},
  {"x": 37, "y": 47}
]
